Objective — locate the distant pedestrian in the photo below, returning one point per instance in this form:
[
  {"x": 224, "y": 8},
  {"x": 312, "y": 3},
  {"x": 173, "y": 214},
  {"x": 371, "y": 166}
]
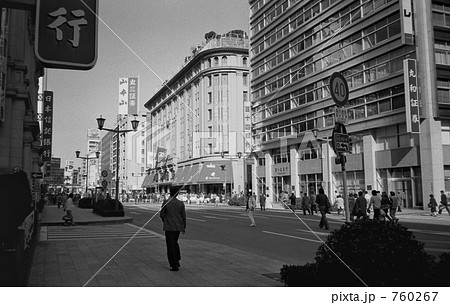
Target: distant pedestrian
[
  {"x": 360, "y": 208},
  {"x": 432, "y": 205},
  {"x": 305, "y": 204},
  {"x": 324, "y": 205},
  {"x": 339, "y": 203},
  {"x": 251, "y": 205},
  {"x": 399, "y": 200},
  {"x": 385, "y": 206},
  {"x": 68, "y": 204},
  {"x": 173, "y": 215},
  {"x": 394, "y": 206},
  {"x": 293, "y": 199},
  {"x": 375, "y": 202},
  {"x": 262, "y": 202},
  {"x": 312, "y": 203},
  {"x": 444, "y": 203},
  {"x": 351, "y": 205}
]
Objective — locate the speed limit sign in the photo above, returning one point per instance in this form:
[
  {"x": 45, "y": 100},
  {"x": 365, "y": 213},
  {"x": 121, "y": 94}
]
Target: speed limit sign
[{"x": 339, "y": 89}]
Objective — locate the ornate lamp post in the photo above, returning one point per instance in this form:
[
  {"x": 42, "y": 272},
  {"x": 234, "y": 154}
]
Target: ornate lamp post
[
  {"x": 117, "y": 131},
  {"x": 87, "y": 158}
]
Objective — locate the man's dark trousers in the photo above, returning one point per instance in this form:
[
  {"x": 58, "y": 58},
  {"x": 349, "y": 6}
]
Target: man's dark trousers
[{"x": 173, "y": 249}]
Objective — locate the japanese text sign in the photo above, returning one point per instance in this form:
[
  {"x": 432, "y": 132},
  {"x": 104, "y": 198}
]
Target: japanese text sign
[
  {"x": 128, "y": 95},
  {"x": 47, "y": 126},
  {"x": 411, "y": 96},
  {"x": 66, "y": 33}
]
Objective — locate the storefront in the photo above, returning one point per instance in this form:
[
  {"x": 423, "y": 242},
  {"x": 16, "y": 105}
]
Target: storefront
[
  {"x": 281, "y": 178},
  {"x": 214, "y": 177}
]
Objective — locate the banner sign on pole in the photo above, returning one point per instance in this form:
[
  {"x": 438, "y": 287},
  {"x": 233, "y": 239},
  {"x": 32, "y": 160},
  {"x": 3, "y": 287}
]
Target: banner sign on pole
[
  {"x": 128, "y": 95},
  {"x": 47, "y": 126},
  {"x": 411, "y": 96}
]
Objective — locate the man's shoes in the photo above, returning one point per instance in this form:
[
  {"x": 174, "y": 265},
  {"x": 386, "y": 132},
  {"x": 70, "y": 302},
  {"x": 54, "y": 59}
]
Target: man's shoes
[
  {"x": 174, "y": 269},
  {"x": 252, "y": 225}
]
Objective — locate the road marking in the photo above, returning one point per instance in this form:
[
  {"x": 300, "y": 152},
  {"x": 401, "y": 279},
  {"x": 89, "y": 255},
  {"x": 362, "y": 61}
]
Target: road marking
[
  {"x": 214, "y": 217},
  {"x": 194, "y": 219},
  {"x": 145, "y": 230},
  {"x": 312, "y": 232},
  {"x": 430, "y": 232},
  {"x": 296, "y": 237},
  {"x": 135, "y": 213}
]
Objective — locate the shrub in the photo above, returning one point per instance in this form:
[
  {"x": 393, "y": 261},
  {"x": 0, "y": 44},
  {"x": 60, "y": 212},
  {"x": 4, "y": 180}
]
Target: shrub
[
  {"x": 440, "y": 272},
  {"x": 372, "y": 253}
]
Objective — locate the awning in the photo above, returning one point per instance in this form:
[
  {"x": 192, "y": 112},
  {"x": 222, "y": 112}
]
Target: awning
[
  {"x": 148, "y": 180},
  {"x": 212, "y": 173},
  {"x": 179, "y": 175},
  {"x": 193, "y": 174}
]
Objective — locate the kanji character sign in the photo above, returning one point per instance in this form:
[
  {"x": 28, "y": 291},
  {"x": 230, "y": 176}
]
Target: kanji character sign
[{"x": 66, "y": 35}]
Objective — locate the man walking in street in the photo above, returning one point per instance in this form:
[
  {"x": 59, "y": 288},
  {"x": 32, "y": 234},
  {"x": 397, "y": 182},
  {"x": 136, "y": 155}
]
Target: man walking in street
[
  {"x": 444, "y": 203},
  {"x": 173, "y": 215},
  {"x": 262, "y": 202},
  {"x": 324, "y": 205}
]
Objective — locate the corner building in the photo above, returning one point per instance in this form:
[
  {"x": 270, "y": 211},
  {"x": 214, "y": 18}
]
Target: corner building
[
  {"x": 297, "y": 45},
  {"x": 199, "y": 131}
]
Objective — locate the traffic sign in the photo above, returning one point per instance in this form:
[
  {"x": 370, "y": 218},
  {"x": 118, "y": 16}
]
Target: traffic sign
[
  {"x": 104, "y": 173},
  {"x": 340, "y": 139},
  {"x": 37, "y": 175},
  {"x": 104, "y": 183},
  {"x": 341, "y": 115},
  {"x": 341, "y": 142},
  {"x": 339, "y": 89}
]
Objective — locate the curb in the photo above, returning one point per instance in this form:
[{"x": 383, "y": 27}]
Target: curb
[{"x": 89, "y": 222}]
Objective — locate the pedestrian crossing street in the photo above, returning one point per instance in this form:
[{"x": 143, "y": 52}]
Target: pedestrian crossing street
[{"x": 94, "y": 232}]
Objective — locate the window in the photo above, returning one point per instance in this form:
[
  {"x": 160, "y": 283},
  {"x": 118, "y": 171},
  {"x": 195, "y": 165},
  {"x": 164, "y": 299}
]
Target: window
[
  {"x": 224, "y": 61},
  {"x": 209, "y": 97},
  {"x": 245, "y": 79},
  {"x": 216, "y": 61},
  {"x": 210, "y": 115},
  {"x": 245, "y": 96},
  {"x": 210, "y": 131},
  {"x": 244, "y": 62}
]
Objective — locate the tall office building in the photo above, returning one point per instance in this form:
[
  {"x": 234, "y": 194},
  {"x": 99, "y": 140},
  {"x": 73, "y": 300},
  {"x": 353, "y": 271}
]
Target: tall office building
[
  {"x": 394, "y": 56},
  {"x": 199, "y": 132}
]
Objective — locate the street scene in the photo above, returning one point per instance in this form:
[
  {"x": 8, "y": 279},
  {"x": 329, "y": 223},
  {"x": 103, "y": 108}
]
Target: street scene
[{"x": 226, "y": 144}]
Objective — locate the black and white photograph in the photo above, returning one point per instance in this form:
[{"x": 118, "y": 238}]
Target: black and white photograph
[{"x": 299, "y": 148}]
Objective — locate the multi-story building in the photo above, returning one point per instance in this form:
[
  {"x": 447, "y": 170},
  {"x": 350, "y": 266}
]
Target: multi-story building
[
  {"x": 295, "y": 47},
  {"x": 199, "y": 130},
  {"x": 132, "y": 161}
]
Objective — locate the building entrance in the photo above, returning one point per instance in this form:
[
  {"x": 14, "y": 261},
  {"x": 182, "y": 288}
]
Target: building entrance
[{"x": 403, "y": 189}]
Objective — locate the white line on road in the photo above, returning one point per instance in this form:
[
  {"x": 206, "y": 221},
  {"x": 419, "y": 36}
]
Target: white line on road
[
  {"x": 214, "y": 217},
  {"x": 135, "y": 213},
  {"x": 145, "y": 230},
  {"x": 431, "y": 232},
  {"x": 194, "y": 219},
  {"x": 313, "y": 232},
  {"x": 296, "y": 237}
]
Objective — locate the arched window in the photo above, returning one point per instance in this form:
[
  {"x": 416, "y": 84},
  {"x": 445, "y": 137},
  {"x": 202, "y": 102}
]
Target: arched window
[
  {"x": 224, "y": 61},
  {"x": 244, "y": 61},
  {"x": 208, "y": 63},
  {"x": 216, "y": 61}
]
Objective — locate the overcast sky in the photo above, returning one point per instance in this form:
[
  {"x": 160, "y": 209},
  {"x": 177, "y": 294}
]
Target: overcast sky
[{"x": 160, "y": 33}]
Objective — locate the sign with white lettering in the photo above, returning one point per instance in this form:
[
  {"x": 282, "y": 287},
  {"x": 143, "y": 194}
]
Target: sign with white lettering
[
  {"x": 411, "y": 96},
  {"x": 128, "y": 95},
  {"x": 47, "y": 126},
  {"x": 66, "y": 34}
]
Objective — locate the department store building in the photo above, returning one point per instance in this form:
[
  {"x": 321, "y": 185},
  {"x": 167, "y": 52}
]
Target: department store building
[{"x": 390, "y": 51}]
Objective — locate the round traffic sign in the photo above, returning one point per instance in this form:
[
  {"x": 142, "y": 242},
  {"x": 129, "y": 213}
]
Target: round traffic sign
[
  {"x": 339, "y": 89},
  {"x": 104, "y": 173},
  {"x": 104, "y": 183}
]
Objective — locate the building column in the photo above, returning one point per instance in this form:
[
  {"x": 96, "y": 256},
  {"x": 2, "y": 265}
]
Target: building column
[
  {"x": 295, "y": 178},
  {"x": 269, "y": 187},
  {"x": 431, "y": 155},
  {"x": 370, "y": 167}
]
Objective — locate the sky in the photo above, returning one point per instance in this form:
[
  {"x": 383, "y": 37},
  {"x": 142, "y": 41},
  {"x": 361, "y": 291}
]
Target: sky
[{"x": 148, "y": 39}]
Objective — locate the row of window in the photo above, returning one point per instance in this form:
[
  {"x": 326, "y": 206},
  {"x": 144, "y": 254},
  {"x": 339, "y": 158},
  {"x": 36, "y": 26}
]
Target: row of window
[
  {"x": 364, "y": 73},
  {"x": 350, "y": 14},
  {"x": 371, "y": 36}
]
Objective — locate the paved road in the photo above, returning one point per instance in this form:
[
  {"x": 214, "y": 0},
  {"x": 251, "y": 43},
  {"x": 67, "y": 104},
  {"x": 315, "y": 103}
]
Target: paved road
[{"x": 281, "y": 235}]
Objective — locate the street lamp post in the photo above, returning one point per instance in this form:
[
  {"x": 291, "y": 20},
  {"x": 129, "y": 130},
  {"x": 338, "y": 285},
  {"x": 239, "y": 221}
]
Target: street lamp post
[
  {"x": 117, "y": 131},
  {"x": 87, "y": 158}
]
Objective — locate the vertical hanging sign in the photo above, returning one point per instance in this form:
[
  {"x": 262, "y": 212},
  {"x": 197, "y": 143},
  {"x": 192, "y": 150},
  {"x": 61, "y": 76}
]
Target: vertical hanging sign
[
  {"x": 47, "y": 126},
  {"x": 128, "y": 95},
  {"x": 406, "y": 16},
  {"x": 411, "y": 96}
]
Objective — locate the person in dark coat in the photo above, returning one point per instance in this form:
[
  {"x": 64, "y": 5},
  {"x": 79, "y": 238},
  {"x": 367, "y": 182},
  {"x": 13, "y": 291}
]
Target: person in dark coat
[
  {"x": 324, "y": 205},
  {"x": 360, "y": 208},
  {"x": 262, "y": 202},
  {"x": 293, "y": 199},
  {"x": 173, "y": 215}
]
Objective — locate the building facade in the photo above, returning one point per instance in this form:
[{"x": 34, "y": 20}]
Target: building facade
[
  {"x": 297, "y": 45},
  {"x": 199, "y": 120}
]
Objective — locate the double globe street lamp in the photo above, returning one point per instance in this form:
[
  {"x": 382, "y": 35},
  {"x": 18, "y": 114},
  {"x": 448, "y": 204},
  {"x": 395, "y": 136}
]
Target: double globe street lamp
[
  {"x": 87, "y": 158},
  {"x": 117, "y": 131}
]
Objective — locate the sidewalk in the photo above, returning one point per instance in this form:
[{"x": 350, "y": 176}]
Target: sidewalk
[{"x": 142, "y": 262}]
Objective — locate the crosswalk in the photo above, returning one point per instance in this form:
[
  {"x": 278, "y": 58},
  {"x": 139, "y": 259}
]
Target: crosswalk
[{"x": 118, "y": 231}]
